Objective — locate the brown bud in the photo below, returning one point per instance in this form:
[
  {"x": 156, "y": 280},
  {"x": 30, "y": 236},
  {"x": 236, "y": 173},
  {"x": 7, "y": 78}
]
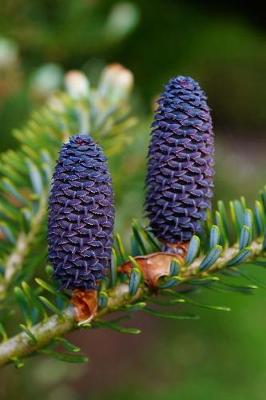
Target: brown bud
[{"x": 85, "y": 304}]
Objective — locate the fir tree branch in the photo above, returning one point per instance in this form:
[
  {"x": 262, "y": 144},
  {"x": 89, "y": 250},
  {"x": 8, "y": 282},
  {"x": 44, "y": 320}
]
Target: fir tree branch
[
  {"x": 43, "y": 333},
  {"x": 227, "y": 241},
  {"x": 23, "y": 245},
  {"x": 255, "y": 248},
  {"x": 23, "y": 344},
  {"x": 40, "y": 335}
]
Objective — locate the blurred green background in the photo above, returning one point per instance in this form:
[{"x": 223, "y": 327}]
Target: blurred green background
[{"x": 224, "y": 47}]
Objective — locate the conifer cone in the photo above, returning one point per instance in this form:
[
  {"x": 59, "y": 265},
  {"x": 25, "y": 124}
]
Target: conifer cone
[
  {"x": 180, "y": 162},
  {"x": 81, "y": 215}
]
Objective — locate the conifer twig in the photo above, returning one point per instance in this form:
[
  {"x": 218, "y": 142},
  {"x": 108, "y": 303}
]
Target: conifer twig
[
  {"x": 24, "y": 241},
  {"x": 43, "y": 333}
]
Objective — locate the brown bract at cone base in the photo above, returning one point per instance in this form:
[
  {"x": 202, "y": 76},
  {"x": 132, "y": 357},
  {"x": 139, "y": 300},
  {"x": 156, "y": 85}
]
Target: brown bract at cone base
[
  {"x": 156, "y": 265},
  {"x": 85, "y": 304},
  {"x": 153, "y": 267}
]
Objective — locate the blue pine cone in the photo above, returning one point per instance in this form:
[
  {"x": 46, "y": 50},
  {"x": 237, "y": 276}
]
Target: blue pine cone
[
  {"x": 180, "y": 162},
  {"x": 81, "y": 215}
]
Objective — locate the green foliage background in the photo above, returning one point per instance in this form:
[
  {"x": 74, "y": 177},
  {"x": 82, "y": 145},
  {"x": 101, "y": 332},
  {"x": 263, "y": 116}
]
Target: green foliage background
[{"x": 222, "y": 355}]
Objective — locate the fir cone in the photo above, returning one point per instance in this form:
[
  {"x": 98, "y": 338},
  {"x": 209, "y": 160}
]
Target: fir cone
[
  {"x": 180, "y": 162},
  {"x": 81, "y": 215}
]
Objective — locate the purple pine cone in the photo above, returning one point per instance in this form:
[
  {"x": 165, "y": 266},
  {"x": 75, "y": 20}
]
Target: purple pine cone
[
  {"x": 81, "y": 215},
  {"x": 180, "y": 162}
]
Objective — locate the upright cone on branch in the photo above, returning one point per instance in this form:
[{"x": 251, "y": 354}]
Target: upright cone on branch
[
  {"x": 81, "y": 215},
  {"x": 180, "y": 163}
]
